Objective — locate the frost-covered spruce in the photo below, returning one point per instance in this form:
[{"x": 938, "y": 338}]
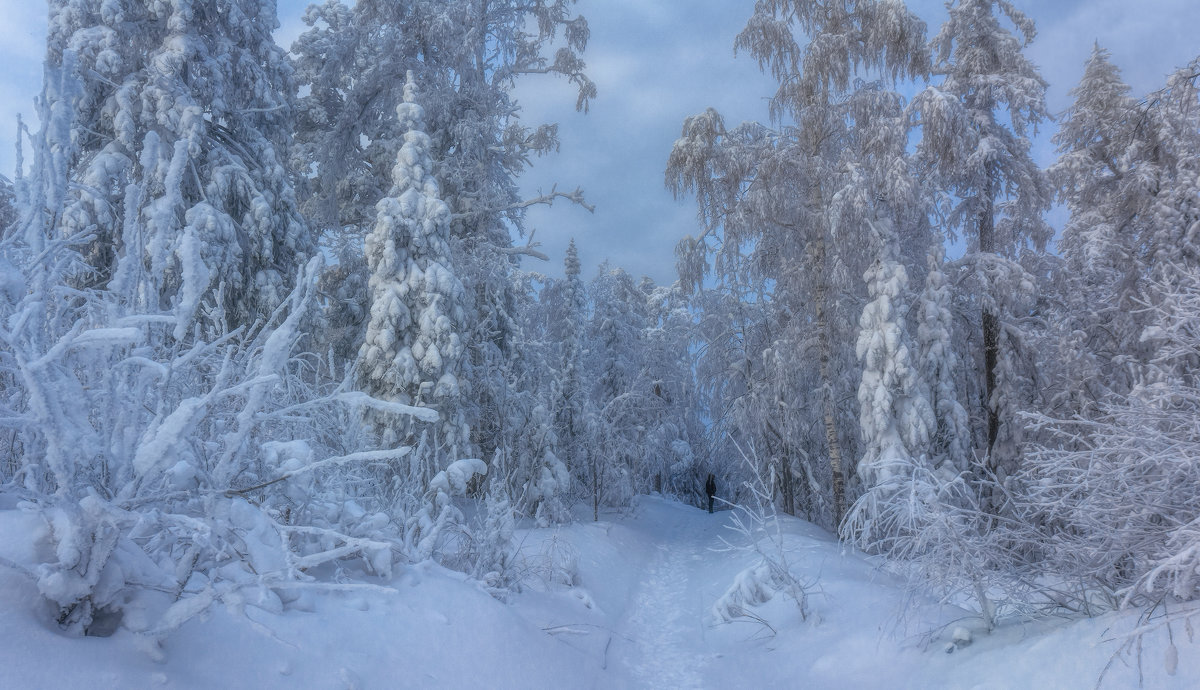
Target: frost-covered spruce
[
  {"x": 170, "y": 121},
  {"x": 412, "y": 352},
  {"x": 8, "y": 206},
  {"x": 546, "y": 493},
  {"x": 567, "y": 314},
  {"x": 896, "y": 418},
  {"x": 1100, "y": 177},
  {"x": 1093, "y": 138},
  {"x": 467, "y": 56},
  {"x": 987, "y": 165},
  {"x": 671, "y": 408},
  {"x": 937, "y": 361},
  {"x": 613, "y": 365}
]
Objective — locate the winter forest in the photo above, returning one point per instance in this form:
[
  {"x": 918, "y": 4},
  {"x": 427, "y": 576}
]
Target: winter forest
[{"x": 284, "y": 364}]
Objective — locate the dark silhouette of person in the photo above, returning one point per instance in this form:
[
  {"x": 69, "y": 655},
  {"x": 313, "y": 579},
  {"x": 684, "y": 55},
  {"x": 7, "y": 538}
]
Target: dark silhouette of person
[{"x": 710, "y": 488}]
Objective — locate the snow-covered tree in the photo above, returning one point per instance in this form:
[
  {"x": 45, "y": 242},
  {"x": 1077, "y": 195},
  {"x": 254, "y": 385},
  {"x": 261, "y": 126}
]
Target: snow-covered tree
[
  {"x": 785, "y": 210},
  {"x": 8, "y": 206},
  {"x": 1101, "y": 158},
  {"x": 1105, "y": 478},
  {"x": 613, "y": 411},
  {"x": 897, "y": 419},
  {"x": 547, "y": 490},
  {"x": 998, "y": 192},
  {"x": 467, "y": 56},
  {"x": 345, "y": 292},
  {"x": 675, "y": 443},
  {"x": 413, "y": 351},
  {"x": 567, "y": 305},
  {"x": 170, "y": 122},
  {"x": 938, "y": 362}
]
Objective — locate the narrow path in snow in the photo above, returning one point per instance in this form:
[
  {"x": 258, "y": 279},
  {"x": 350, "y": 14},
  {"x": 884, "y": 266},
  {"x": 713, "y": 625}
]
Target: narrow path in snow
[{"x": 661, "y": 636}]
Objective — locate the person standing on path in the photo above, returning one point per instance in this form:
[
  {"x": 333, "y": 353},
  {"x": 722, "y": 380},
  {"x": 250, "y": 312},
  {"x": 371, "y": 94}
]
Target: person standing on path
[{"x": 710, "y": 488}]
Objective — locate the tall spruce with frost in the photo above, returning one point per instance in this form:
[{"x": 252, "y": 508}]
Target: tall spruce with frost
[
  {"x": 568, "y": 321},
  {"x": 999, "y": 193},
  {"x": 1094, "y": 139},
  {"x": 173, "y": 120},
  {"x": 1099, "y": 176},
  {"x": 613, "y": 410},
  {"x": 412, "y": 350},
  {"x": 675, "y": 435},
  {"x": 938, "y": 363},
  {"x": 768, "y": 200},
  {"x": 896, "y": 418},
  {"x": 8, "y": 206},
  {"x": 468, "y": 56}
]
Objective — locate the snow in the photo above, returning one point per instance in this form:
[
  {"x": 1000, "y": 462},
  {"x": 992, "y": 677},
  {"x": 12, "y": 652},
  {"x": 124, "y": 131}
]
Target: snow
[{"x": 625, "y": 602}]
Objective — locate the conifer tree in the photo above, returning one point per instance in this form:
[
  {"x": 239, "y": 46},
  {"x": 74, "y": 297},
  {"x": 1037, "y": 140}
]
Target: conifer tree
[
  {"x": 896, "y": 416},
  {"x": 568, "y": 321},
  {"x": 985, "y": 162},
  {"x": 412, "y": 352},
  {"x": 938, "y": 362},
  {"x": 172, "y": 120},
  {"x": 1094, "y": 175},
  {"x": 468, "y": 56}
]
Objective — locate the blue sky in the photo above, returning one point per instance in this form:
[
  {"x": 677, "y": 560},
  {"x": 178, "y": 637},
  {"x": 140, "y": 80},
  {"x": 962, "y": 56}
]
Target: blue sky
[{"x": 655, "y": 63}]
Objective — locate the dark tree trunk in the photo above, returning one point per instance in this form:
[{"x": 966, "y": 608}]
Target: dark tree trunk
[{"x": 991, "y": 324}]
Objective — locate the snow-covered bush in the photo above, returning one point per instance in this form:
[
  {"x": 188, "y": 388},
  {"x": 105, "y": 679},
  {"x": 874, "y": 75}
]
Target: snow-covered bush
[
  {"x": 493, "y": 553},
  {"x": 1116, "y": 490},
  {"x": 545, "y": 493},
  {"x": 432, "y": 530},
  {"x": 193, "y": 468},
  {"x": 935, "y": 530},
  {"x": 756, "y": 522}
]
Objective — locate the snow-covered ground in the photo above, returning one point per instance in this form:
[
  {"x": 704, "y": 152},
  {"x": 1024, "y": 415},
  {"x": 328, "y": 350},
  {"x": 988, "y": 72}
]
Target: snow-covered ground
[{"x": 637, "y": 613}]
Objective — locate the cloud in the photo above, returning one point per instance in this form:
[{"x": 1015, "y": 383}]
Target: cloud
[{"x": 656, "y": 63}]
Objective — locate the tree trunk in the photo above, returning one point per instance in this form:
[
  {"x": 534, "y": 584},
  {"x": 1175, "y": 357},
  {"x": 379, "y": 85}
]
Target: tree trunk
[
  {"x": 595, "y": 489},
  {"x": 785, "y": 454},
  {"x": 829, "y": 405},
  {"x": 786, "y": 490},
  {"x": 991, "y": 325}
]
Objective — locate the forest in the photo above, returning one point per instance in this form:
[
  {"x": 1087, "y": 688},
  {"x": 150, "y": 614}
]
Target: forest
[{"x": 272, "y": 318}]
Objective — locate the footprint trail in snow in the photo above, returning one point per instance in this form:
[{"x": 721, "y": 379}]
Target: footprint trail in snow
[{"x": 661, "y": 637}]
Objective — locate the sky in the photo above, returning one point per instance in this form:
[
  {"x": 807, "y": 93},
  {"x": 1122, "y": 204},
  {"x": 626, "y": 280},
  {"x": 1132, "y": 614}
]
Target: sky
[{"x": 655, "y": 62}]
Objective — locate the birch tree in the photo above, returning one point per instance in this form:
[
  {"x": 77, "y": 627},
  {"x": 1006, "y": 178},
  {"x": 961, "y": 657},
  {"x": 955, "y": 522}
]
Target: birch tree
[{"x": 768, "y": 193}]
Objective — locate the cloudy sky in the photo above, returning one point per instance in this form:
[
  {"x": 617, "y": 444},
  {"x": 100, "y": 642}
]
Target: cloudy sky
[{"x": 657, "y": 61}]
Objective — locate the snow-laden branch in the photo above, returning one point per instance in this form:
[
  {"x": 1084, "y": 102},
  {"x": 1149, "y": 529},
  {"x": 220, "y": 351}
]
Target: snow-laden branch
[
  {"x": 360, "y": 400},
  {"x": 575, "y": 197},
  {"x": 360, "y": 457}
]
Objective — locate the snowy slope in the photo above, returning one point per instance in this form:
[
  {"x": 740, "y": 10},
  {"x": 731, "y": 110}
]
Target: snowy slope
[{"x": 638, "y": 615}]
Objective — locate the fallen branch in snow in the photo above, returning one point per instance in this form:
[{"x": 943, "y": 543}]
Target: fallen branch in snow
[
  {"x": 1147, "y": 624},
  {"x": 17, "y": 567},
  {"x": 569, "y": 628},
  {"x": 564, "y": 629}
]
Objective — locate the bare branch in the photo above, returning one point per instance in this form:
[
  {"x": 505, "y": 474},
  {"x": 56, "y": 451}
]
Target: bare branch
[
  {"x": 527, "y": 250},
  {"x": 575, "y": 197}
]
